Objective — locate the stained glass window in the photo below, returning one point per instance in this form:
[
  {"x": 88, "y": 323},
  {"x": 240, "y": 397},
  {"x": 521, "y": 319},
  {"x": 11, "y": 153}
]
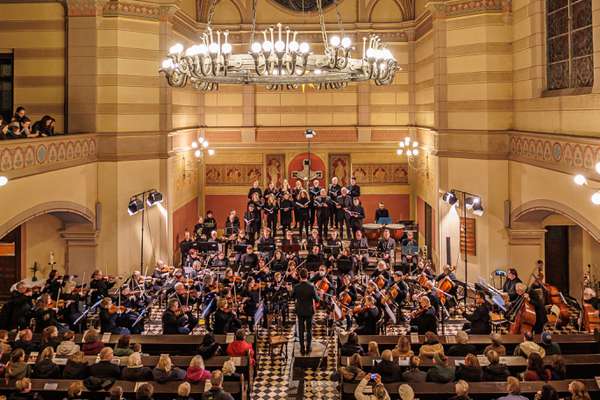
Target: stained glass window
[
  {"x": 569, "y": 44},
  {"x": 303, "y": 5}
]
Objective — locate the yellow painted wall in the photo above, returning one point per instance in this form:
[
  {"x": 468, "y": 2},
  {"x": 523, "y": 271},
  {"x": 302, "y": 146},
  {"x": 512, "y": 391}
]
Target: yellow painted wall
[
  {"x": 35, "y": 34},
  {"x": 42, "y": 236}
]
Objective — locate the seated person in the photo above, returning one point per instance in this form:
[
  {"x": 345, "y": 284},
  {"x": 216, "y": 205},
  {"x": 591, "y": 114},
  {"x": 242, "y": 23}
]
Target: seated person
[
  {"x": 535, "y": 369},
  {"x": 67, "y": 347},
  {"x": 240, "y": 347},
  {"x": 378, "y": 389},
  {"x": 165, "y": 372},
  {"x": 462, "y": 346},
  {"x": 25, "y": 341},
  {"x": 105, "y": 368},
  {"x": 229, "y": 373},
  {"x": 440, "y": 372},
  {"x": 389, "y": 370},
  {"x": 470, "y": 371},
  {"x": 196, "y": 372},
  {"x": 44, "y": 367},
  {"x": 431, "y": 346},
  {"x": 91, "y": 343},
  {"x": 354, "y": 371},
  {"x": 513, "y": 390},
  {"x": 461, "y": 388},
  {"x": 549, "y": 346},
  {"x": 528, "y": 346},
  {"x": 414, "y": 374},
  {"x": 495, "y": 371},
  {"x": 209, "y": 346},
  {"x": 351, "y": 346},
  {"x": 76, "y": 367},
  {"x": 496, "y": 345},
  {"x": 16, "y": 368},
  {"x": 135, "y": 370}
]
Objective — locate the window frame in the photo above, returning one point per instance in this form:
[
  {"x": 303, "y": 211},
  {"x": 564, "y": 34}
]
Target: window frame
[{"x": 11, "y": 57}]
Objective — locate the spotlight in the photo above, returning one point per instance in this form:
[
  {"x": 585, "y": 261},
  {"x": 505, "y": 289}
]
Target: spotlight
[
  {"x": 477, "y": 209},
  {"x": 153, "y": 198},
  {"x": 450, "y": 198},
  {"x": 135, "y": 205},
  {"x": 471, "y": 201},
  {"x": 3, "y": 181},
  {"x": 580, "y": 180},
  {"x": 309, "y": 133}
]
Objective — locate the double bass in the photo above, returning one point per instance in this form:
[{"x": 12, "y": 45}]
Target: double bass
[
  {"x": 524, "y": 316},
  {"x": 554, "y": 297}
]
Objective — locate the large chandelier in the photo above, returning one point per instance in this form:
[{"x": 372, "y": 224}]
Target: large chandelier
[{"x": 279, "y": 60}]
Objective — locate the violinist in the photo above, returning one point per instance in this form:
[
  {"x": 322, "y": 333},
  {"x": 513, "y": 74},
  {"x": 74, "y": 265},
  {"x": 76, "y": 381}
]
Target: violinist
[
  {"x": 251, "y": 224},
  {"x": 251, "y": 294},
  {"x": 301, "y": 211},
  {"x": 367, "y": 317},
  {"x": 434, "y": 298},
  {"x": 100, "y": 285},
  {"x": 226, "y": 320},
  {"x": 286, "y": 205},
  {"x": 386, "y": 245},
  {"x": 333, "y": 192},
  {"x": 16, "y": 312},
  {"x": 264, "y": 274},
  {"x": 321, "y": 204},
  {"x": 399, "y": 283},
  {"x": 357, "y": 215},
  {"x": 44, "y": 314},
  {"x": 279, "y": 262},
  {"x": 360, "y": 248},
  {"x": 479, "y": 320},
  {"x": 381, "y": 270},
  {"x": 210, "y": 224},
  {"x": 241, "y": 241},
  {"x": 510, "y": 286},
  {"x": 175, "y": 321},
  {"x": 110, "y": 318},
  {"x": 267, "y": 241},
  {"x": 249, "y": 260},
  {"x": 313, "y": 240},
  {"x": 424, "y": 318},
  {"x": 446, "y": 273},
  {"x": 345, "y": 263},
  {"x": 220, "y": 261},
  {"x": 343, "y": 203},
  {"x": 279, "y": 297},
  {"x": 271, "y": 210},
  {"x": 53, "y": 284},
  {"x": 314, "y": 259}
]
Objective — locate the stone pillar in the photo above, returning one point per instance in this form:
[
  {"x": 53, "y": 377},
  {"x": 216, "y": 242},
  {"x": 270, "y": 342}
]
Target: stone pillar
[
  {"x": 80, "y": 255},
  {"x": 596, "y": 39},
  {"x": 440, "y": 78}
]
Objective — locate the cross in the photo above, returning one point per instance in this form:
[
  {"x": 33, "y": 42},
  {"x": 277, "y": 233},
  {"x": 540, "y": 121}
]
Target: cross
[{"x": 303, "y": 174}]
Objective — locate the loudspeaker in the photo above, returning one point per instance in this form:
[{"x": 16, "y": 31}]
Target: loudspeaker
[
  {"x": 98, "y": 215},
  {"x": 507, "y": 213},
  {"x": 448, "y": 251}
]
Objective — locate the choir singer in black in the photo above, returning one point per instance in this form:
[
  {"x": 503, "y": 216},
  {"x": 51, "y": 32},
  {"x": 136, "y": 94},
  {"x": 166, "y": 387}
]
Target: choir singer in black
[{"x": 305, "y": 293}]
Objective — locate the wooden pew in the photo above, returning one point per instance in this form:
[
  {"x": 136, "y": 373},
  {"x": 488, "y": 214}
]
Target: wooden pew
[
  {"x": 161, "y": 390},
  {"x": 478, "y": 390},
  {"x": 578, "y": 365},
  {"x": 569, "y": 343}
]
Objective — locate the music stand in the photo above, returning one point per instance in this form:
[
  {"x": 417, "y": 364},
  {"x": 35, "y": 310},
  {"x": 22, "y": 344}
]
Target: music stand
[
  {"x": 345, "y": 266},
  {"x": 207, "y": 247},
  {"x": 333, "y": 250},
  {"x": 265, "y": 248}
]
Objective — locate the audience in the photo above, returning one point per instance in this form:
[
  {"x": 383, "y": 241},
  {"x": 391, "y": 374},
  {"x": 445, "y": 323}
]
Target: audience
[
  {"x": 431, "y": 346},
  {"x": 240, "y": 347},
  {"x": 116, "y": 393},
  {"x": 5, "y": 347},
  {"x": 414, "y": 374},
  {"x": 557, "y": 369},
  {"x": 351, "y": 346},
  {"x": 105, "y": 368},
  {"x": 25, "y": 341},
  {"x": 402, "y": 349},
  {"x": 406, "y": 392},
  {"x": 44, "y": 367},
  {"x": 440, "y": 372},
  {"x": 50, "y": 337},
  {"x": 462, "y": 346},
  {"x": 17, "y": 368},
  {"x": 165, "y": 372},
  {"x": 389, "y": 370},
  {"x": 496, "y": 345},
  {"x": 20, "y": 126},
  {"x": 373, "y": 350},
  {"x": 470, "y": 371},
  {"x": 354, "y": 370},
  {"x": 229, "y": 373},
  {"x": 495, "y": 371},
  {"x": 549, "y": 346},
  {"x": 461, "y": 388},
  {"x": 535, "y": 369},
  {"x": 216, "y": 391},
  {"x": 135, "y": 370},
  {"x": 528, "y": 346},
  {"x": 144, "y": 392},
  {"x": 122, "y": 348},
  {"x": 378, "y": 391},
  {"x": 92, "y": 343},
  {"x": 578, "y": 391},
  {"x": 23, "y": 391},
  {"x": 183, "y": 391},
  {"x": 67, "y": 347},
  {"x": 76, "y": 367},
  {"x": 547, "y": 393},
  {"x": 75, "y": 391},
  {"x": 209, "y": 346},
  {"x": 513, "y": 390},
  {"x": 196, "y": 371}
]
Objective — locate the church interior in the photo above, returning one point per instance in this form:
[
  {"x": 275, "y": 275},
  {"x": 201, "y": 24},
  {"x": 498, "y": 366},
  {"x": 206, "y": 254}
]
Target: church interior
[{"x": 176, "y": 172}]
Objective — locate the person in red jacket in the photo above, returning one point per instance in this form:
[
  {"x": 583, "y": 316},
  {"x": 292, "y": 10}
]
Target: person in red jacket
[{"x": 240, "y": 348}]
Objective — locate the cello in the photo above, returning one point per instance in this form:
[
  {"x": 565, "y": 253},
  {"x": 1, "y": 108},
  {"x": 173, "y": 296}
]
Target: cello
[
  {"x": 552, "y": 296},
  {"x": 525, "y": 316}
]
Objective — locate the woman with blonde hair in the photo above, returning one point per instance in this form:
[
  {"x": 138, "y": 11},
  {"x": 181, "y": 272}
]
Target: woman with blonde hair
[
  {"x": 373, "y": 349},
  {"x": 76, "y": 367},
  {"x": 183, "y": 391},
  {"x": 228, "y": 370},
  {"x": 44, "y": 367},
  {"x": 431, "y": 346},
  {"x": 196, "y": 372},
  {"x": 402, "y": 349},
  {"x": 578, "y": 391},
  {"x": 470, "y": 371},
  {"x": 75, "y": 390},
  {"x": 135, "y": 370},
  {"x": 354, "y": 371},
  {"x": 164, "y": 371}
]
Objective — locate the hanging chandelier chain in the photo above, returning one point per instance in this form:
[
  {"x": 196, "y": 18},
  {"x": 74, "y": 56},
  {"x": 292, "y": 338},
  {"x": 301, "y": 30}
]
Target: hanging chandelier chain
[
  {"x": 211, "y": 12},
  {"x": 322, "y": 22},
  {"x": 338, "y": 16},
  {"x": 253, "y": 22}
]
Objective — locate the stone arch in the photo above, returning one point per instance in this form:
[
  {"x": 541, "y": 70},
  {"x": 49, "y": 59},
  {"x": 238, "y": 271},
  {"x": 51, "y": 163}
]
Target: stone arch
[
  {"x": 204, "y": 6},
  {"x": 406, "y": 8},
  {"x": 535, "y": 211},
  {"x": 67, "y": 211}
]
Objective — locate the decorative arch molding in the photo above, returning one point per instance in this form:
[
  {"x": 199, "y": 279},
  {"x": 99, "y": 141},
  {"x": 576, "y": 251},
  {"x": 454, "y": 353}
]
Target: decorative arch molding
[
  {"x": 407, "y": 8},
  {"x": 537, "y": 210},
  {"x": 203, "y": 6},
  {"x": 57, "y": 208}
]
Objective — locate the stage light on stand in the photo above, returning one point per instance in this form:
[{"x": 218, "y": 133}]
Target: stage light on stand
[
  {"x": 450, "y": 198},
  {"x": 470, "y": 202},
  {"x": 154, "y": 197},
  {"x": 309, "y": 133},
  {"x": 135, "y": 205},
  {"x": 477, "y": 209}
]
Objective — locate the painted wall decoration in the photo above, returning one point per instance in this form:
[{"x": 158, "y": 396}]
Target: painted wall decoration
[
  {"x": 298, "y": 168},
  {"x": 380, "y": 174},
  {"x": 274, "y": 168},
  {"x": 233, "y": 175},
  {"x": 339, "y": 165}
]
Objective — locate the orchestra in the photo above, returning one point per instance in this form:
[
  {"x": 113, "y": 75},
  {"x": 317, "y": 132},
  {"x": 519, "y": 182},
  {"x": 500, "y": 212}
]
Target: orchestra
[{"x": 248, "y": 274}]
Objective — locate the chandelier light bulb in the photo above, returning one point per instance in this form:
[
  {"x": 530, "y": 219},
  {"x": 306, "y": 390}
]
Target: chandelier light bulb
[
  {"x": 203, "y": 49},
  {"x": 318, "y": 71},
  {"x": 226, "y": 48},
  {"x": 304, "y": 47},
  {"x": 596, "y": 198},
  {"x": 176, "y": 49},
  {"x": 370, "y": 52},
  {"x": 293, "y": 46},
  {"x": 197, "y": 153},
  {"x": 190, "y": 51},
  {"x": 387, "y": 54},
  {"x": 194, "y": 145},
  {"x": 407, "y": 140},
  {"x": 401, "y": 144},
  {"x": 334, "y": 41},
  {"x": 415, "y": 152},
  {"x": 399, "y": 152},
  {"x": 213, "y": 48},
  {"x": 579, "y": 180},
  {"x": 256, "y": 47},
  {"x": 267, "y": 46},
  {"x": 205, "y": 144},
  {"x": 346, "y": 42},
  {"x": 279, "y": 46},
  {"x": 201, "y": 139},
  {"x": 415, "y": 144},
  {"x": 211, "y": 152},
  {"x": 167, "y": 64},
  {"x": 3, "y": 180},
  {"x": 409, "y": 152},
  {"x": 598, "y": 167}
]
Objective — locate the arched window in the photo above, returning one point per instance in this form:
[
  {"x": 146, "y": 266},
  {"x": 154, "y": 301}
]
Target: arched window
[{"x": 570, "y": 62}]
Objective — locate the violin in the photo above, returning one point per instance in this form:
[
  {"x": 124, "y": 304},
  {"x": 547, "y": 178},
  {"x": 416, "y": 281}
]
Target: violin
[
  {"x": 323, "y": 285},
  {"x": 116, "y": 309},
  {"x": 345, "y": 298}
]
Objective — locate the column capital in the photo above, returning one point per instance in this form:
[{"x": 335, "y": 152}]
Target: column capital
[{"x": 85, "y": 8}]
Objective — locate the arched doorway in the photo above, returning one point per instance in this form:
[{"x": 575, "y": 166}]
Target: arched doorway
[{"x": 53, "y": 235}]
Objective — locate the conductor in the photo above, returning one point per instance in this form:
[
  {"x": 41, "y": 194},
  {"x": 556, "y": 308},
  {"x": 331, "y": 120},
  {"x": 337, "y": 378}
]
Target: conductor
[{"x": 305, "y": 293}]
